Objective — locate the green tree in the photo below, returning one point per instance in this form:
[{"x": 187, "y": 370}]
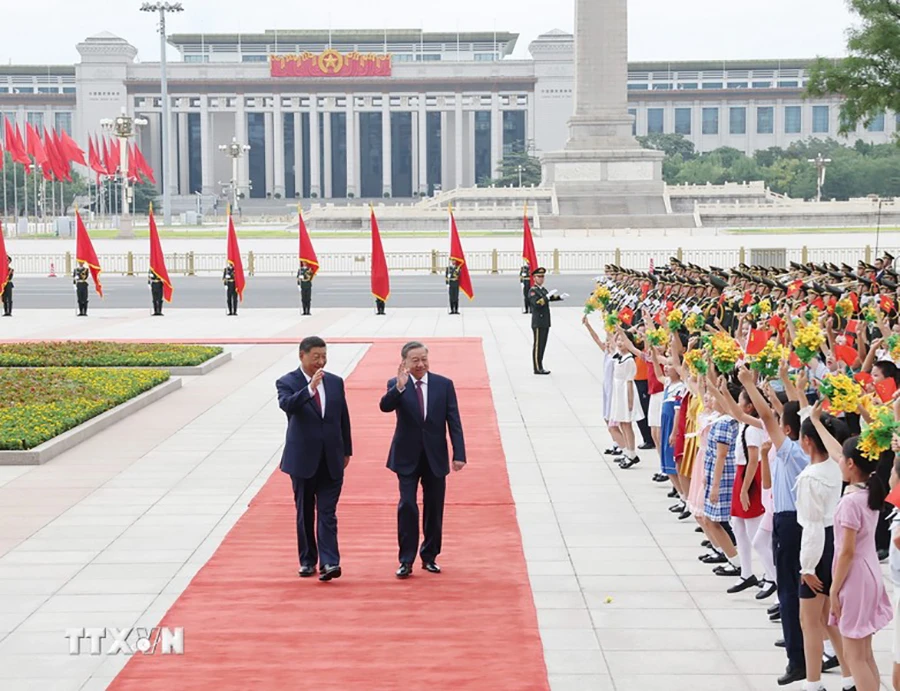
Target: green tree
[
  {"x": 670, "y": 144},
  {"x": 781, "y": 176},
  {"x": 15, "y": 180},
  {"x": 701, "y": 171},
  {"x": 868, "y": 79},
  {"x": 508, "y": 171}
]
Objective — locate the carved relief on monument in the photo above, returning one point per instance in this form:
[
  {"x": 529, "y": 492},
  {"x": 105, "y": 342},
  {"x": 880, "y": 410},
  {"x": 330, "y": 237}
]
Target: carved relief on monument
[{"x": 630, "y": 170}]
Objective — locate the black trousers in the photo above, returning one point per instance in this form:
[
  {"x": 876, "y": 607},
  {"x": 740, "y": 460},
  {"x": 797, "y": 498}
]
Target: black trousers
[
  {"x": 644, "y": 398},
  {"x": 454, "y": 296},
  {"x": 525, "y": 288},
  {"x": 540, "y": 345},
  {"x": 316, "y": 500},
  {"x": 379, "y": 306},
  {"x": 7, "y": 299},
  {"x": 306, "y": 296},
  {"x": 433, "y": 491},
  {"x": 81, "y": 292},
  {"x": 883, "y": 528},
  {"x": 786, "y": 546},
  {"x": 231, "y": 298},
  {"x": 156, "y": 294}
]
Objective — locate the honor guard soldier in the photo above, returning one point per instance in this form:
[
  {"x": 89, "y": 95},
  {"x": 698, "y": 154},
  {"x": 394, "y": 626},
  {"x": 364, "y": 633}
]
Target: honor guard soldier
[
  {"x": 525, "y": 279},
  {"x": 451, "y": 276},
  {"x": 231, "y": 296},
  {"x": 8, "y": 288},
  {"x": 80, "y": 279},
  {"x": 379, "y": 307},
  {"x": 539, "y": 298},
  {"x": 304, "y": 281},
  {"x": 156, "y": 293}
]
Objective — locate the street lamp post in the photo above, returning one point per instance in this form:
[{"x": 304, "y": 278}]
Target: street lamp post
[
  {"x": 820, "y": 162},
  {"x": 520, "y": 174},
  {"x": 162, "y": 8},
  {"x": 124, "y": 128},
  {"x": 234, "y": 151}
]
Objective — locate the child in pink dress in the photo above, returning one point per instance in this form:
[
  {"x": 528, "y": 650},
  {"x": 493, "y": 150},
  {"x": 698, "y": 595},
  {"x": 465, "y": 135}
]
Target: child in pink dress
[{"x": 860, "y": 606}]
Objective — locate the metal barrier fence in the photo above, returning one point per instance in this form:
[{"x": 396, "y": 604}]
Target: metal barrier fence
[{"x": 493, "y": 261}]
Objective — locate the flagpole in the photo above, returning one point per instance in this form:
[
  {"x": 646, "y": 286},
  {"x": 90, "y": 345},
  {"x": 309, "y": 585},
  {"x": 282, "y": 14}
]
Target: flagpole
[
  {"x": 25, "y": 194},
  {"x": 3, "y": 172},
  {"x": 16, "y": 196}
]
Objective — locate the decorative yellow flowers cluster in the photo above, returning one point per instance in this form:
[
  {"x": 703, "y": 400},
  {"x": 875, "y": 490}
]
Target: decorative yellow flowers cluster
[
  {"x": 844, "y": 308},
  {"x": 808, "y": 341},
  {"x": 769, "y": 359},
  {"x": 725, "y": 352},
  {"x": 696, "y": 362},
  {"x": 657, "y": 337},
  {"x": 694, "y": 322},
  {"x": 877, "y": 437},
  {"x": 842, "y": 392},
  {"x": 675, "y": 319},
  {"x": 598, "y": 300}
]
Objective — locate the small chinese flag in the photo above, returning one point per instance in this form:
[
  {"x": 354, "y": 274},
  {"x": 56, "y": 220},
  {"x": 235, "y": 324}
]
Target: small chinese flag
[
  {"x": 886, "y": 389},
  {"x": 757, "y": 341},
  {"x": 795, "y": 361},
  {"x": 846, "y": 354},
  {"x": 748, "y": 298},
  {"x": 853, "y": 326}
]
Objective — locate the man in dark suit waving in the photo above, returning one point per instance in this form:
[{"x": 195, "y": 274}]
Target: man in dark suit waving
[
  {"x": 426, "y": 408},
  {"x": 317, "y": 449}
]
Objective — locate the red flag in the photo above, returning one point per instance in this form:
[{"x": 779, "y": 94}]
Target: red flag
[
  {"x": 794, "y": 287},
  {"x": 4, "y": 262},
  {"x": 885, "y": 388},
  {"x": 35, "y": 146},
  {"x": 51, "y": 167},
  {"x": 158, "y": 260},
  {"x": 853, "y": 326},
  {"x": 63, "y": 158},
  {"x": 94, "y": 161},
  {"x": 757, "y": 341},
  {"x": 795, "y": 362},
  {"x": 863, "y": 378},
  {"x": 134, "y": 172},
  {"x": 84, "y": 252},
  {"x": 854, "y": 298},
  {"x": 893, "y": 496},
  {"x": 818, "y": 303},
  {"x": 457, "y": 254},
  {"x": 529, "y": 255},
  {"x": 626, "y": 315},
  {"x": 113, "y": 157},
  {"x": 748, "y": 298},
  {"x": 846, "y": 354},
  {"x": 887, "y": 304},
  {"x": 70, "y": 149},
  {"x": 307, "y": 253},
  {"x": 143, "y": 167},
  {"x": 381, "y": 280},
  {"x": 234, "y": 258},
  {"x": 15, "y": 147}
]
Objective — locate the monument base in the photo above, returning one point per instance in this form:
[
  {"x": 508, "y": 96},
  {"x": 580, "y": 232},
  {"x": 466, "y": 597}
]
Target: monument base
[
  {"x": 609, "y": 188},
  {"x": 126, "y": 228}
]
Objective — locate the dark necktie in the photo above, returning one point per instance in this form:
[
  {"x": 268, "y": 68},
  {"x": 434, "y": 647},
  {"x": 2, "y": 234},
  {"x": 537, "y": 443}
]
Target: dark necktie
[
  {"x": 318, "y": 399},
  {"x": 421, "y": 398}
]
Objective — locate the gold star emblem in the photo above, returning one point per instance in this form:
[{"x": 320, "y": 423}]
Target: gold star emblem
[{"x": 331, "y": 62}]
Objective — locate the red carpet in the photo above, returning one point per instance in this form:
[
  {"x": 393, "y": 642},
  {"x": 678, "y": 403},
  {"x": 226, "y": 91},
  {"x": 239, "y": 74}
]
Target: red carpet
[{"x": 250, "y": 623}]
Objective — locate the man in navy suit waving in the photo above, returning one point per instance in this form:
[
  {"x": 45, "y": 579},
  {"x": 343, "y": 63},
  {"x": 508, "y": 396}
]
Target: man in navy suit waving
[
  {"x": 426, "y": 408},
  {"x": 317, "y": 449}
]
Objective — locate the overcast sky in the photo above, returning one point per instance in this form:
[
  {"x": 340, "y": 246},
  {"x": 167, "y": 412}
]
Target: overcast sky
[{"x": 659, "y": 29}]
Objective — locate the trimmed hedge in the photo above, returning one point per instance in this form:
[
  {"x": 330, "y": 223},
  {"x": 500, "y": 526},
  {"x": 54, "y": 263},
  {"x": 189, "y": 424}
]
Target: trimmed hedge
[
  {"x": 104, "y": 354},
  {"x": 39, "y": 404}
]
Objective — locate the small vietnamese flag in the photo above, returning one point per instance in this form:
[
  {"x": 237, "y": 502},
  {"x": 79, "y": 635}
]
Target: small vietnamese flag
[
  {"x": 846, "y": 354},
  {"x": 748, "y": 298},
  {"x": 626, "y": 315},
  {"x": 863, "y": 378},
  {"x": 853, "y": 326},
  {"x": 757, "y": 341},
  {"x": 234, "y": 258},
  {"x": 796, "y": 363},
  {"x": 887, "y": 304},
  {"x": 886, "y": 389}
]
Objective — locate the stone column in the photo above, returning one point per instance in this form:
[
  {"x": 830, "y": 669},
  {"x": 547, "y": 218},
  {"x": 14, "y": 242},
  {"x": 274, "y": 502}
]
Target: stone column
[
  {"x": 206, "y": 148},
  {"x": 326, "y": 143},
  {"x": 173, "y": 154},
  {"x": 184, "y": 153},
  {"x": 298, "y": 154},
  {"x": 278, "y": 158},
  {"x": 240, "y": 133},
  {"x": 445, "y": 150},
  {"x": 352, "y": 153},
  {"x": 601, "y": 77},
  {"x": 496, "y": 133},
  {"x": 387, "y": 181},
  {"x": 423, "y": 145},
  {"x": 269, "y": 142},
  {"x": 315, "y": 173},
  {"x": 458, "y": 140}
]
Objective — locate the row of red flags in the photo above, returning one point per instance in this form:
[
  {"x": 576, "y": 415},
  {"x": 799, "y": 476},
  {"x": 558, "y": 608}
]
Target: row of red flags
[{"x": 55, "y": 152}]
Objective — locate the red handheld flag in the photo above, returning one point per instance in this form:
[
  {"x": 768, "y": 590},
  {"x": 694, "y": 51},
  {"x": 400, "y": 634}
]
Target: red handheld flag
[
  {"x": 886, "y": 389},
  {"x": 158, "y": 259},
  {"x": 846, "y": 354},
  {"x": 307, "y": 253},
  {"x": 381, "y": 280},
  {"x": 457, "y": 254},
  {"x": 757, "y": 341},
  {"x": 863, "y": 378},
  {"x": 529, "y": 255},
  {"x": 626, "y": 315},
  {"x": 234, "y": 258},
  {"x": 84, "y": 252}
]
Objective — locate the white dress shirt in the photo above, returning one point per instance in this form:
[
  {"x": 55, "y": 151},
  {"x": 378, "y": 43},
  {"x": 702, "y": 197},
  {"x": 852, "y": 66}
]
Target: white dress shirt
[
  {"x": 818, "y": 493},
  {"x": 412, "y": 382},
  {"x": 320, "y": 388}
]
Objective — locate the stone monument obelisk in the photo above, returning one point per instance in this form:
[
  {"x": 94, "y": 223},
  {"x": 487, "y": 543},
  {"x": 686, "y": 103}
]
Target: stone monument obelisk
[{"x": 603, "y": 178}]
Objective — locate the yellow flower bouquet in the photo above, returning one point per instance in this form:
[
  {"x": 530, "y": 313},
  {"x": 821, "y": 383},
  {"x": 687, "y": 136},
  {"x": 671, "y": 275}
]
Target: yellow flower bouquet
[
  {"x": 769, "y": 359},
  {"x": 876, "y": 438},
  {"x": 843, "y": 394},
  {"x": 657, "y": 337},
  {"x": 724, "y": 352},
  {"x": 694, "y": 322},
  {"x": 844, "y": 308},
  {"x": 870, "y": 314},
  {"x": 696, "y": 362},
  {"x": 675, "y": 319},
  {"x": 893, "y": 345},
  {"x": 611, "y": 321},
  {"x": 808, "y": 341},
  {"x": 762, "y": 309}
]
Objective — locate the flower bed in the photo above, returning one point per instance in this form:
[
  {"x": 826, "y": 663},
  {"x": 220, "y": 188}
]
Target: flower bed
[
  {"x": 104, "y": 354},
  {"x": 39, "y": 404}
]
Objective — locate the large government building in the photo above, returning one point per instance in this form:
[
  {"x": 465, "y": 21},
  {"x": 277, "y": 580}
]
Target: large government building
[{"x": 395, "y": 113}]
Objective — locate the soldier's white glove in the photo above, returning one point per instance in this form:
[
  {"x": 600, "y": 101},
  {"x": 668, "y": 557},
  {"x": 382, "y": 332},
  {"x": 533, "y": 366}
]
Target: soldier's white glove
[
  {"x": 564, "y": 296},
  {"x": 552, "y": 292}
]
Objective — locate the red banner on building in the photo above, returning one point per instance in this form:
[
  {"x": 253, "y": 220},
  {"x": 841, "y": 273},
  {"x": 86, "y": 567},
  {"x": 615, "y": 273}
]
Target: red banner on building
[{"x": 331, "y": 63}]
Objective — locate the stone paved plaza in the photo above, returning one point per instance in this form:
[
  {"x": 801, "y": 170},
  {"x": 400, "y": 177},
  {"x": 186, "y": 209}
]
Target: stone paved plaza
[{"x": 111, "y": 532}]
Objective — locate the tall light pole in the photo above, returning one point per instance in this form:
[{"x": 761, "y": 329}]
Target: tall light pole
[
  {"x": 162, "y": 8},
  {"x": 234, "y": 151},
  {"x": 821, "y": 162},
  {"x": 124, "y": 128}
]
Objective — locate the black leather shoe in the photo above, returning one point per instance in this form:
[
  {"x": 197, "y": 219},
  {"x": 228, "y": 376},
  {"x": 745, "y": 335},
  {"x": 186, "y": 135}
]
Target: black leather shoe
[
  {"x": 659, "y": 477},
  {"x": 745, "y": 583},
  {"x": 792, "y": 674},
  {"x": 431, "y": 567},
  {"x": 307, "y": 571},
  {"x": 612, "y": 451},
  {"x": 728, "y": 571},
  {"x": 775, "y": 617},
  {"x": 684, "y": 515},
  {"x": 330, "y": 572},
  {"x": 647, "y": 446},
  {"x": 706, "y": 543},
  {"x": 767, "y": 590},
  {"x": 628, "y": 463},
  {"x": 780, "y": 643},
  {"x": 714, "y": 558},
  {"x": 774, "y": 609},
  {"x": 677, "y": 508},
  {"x": 672, "y": 493},
  {"x": 405, "y": 571},
  {"x": 698, "y": 529},
  {"x": 829, "y": 663}
]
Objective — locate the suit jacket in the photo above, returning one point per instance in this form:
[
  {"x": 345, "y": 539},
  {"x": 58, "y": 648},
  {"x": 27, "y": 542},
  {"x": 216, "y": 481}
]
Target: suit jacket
[
  {"x": 539, "y": 298},
  {"x": 310, "y": 437},
  {"x": 414, "y": 435}
]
